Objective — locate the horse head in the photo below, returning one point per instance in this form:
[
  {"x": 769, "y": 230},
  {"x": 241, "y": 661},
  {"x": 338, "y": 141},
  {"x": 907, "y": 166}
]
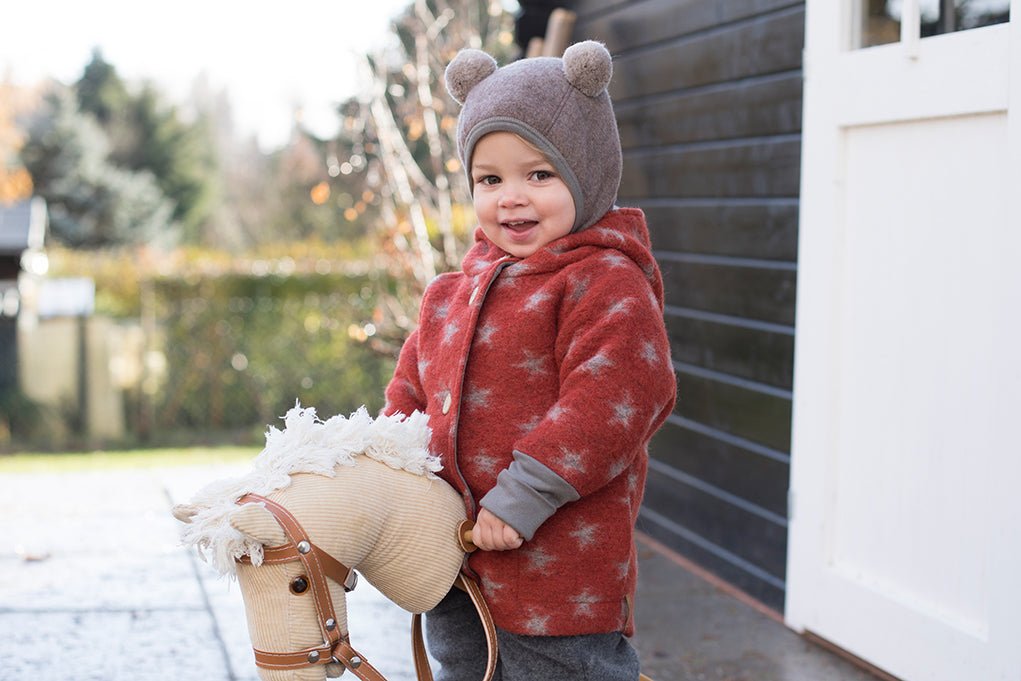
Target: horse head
[{"x": 294, "y": 546}]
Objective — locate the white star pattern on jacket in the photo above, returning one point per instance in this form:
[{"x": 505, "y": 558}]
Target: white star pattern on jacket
[
  {"x": 533, "y": 364},
  {"x": 518, "y": 269},
  {"x": 555, "y": 412},
  {"x": 477, "y": 398},
  {"x": 410, "y": 388},
  {"x": 537, "y": 625},
  {"x": 485, "y": 463},
  {"x": 450, "y": 330},
  {"x": 585, "y": 534},
  {"x": 530, "y": 425},
  {"x": 484, "y": 333},
  {"x": 619, "y": 307},
  {"x": 441, "y": 311},
  {"x": 580, "y": 287},
  {"x": 611, "y": 235},
  {"x": 653, "y": 303},
  {"x": 595, "y": 364},
  {"x": 538, "y": 560},
  {"x": 623, "y": 411},
  {"x": 492, "y": 588},
  {"x": 583, "y": 603},
  {"x": 571, "y": 460},
  {"x": 614, "y": 259},
  {"x": 535, "y": 301},
  {"x": 619, "y": 466},
  {"x": 649, "y": 353}
]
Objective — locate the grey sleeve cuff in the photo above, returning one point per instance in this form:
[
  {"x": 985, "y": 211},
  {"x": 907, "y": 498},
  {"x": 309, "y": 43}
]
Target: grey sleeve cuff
[{"x": 526, "y": 494}]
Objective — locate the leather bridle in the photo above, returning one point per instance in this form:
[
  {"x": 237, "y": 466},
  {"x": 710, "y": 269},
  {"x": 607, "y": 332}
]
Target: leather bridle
[
  {"x": 319, "y": 566},
  {"x": 336, "y": 647}
]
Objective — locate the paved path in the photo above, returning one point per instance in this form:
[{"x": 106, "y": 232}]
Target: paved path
[{"x": 95, "y": 586}]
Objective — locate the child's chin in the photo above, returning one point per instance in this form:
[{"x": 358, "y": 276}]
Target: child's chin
[{"x": 520, "y": 252}]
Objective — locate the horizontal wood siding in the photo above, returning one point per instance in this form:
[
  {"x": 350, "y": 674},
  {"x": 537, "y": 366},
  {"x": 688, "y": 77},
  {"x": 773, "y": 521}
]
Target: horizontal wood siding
[{"x": 708, "y": 99}]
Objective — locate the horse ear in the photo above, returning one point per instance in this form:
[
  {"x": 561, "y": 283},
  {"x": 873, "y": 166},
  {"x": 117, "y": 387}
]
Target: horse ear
[
  {"x": 259, "y": 524},
  {"x": 185, "y": 512}
]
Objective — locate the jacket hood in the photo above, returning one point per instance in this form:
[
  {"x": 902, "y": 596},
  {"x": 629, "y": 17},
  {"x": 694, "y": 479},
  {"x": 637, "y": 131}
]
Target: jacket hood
[{"x": 619, "y": 236}]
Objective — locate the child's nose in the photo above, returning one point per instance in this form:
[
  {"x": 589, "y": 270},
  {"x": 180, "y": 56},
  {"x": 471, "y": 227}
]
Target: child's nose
[{"x": 511, "y": 196}]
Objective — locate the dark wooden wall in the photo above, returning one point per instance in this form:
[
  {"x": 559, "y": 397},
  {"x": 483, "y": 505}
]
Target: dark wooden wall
[
  {"x": 708, "y": 99},
  {"x": 10, "y": 266}
]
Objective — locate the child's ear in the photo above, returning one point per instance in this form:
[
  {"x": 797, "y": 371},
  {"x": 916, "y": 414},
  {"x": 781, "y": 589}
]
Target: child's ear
[
  {"x": 588, "y": 67},
  {"x": 468, "y": 69}
]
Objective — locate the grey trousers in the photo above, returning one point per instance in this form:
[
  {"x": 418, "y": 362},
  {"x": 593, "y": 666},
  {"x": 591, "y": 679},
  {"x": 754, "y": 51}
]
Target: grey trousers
[{"x": 455, "y": 639}]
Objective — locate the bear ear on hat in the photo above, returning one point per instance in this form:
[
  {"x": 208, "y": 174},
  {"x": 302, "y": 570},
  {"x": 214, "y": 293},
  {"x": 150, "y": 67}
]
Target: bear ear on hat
[
  {"x": 469, "y": 68},
  {"x": 588, "y": 67}
]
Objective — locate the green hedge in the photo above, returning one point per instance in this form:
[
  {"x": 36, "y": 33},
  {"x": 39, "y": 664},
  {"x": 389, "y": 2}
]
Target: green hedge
[{"x": 240, "y": 349}]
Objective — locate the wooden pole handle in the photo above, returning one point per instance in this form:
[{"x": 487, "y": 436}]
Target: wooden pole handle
[{"x": 464, "y": 536}]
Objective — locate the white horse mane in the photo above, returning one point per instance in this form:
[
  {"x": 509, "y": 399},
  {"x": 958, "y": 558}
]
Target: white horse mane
[{"x": 306, "y": 445}]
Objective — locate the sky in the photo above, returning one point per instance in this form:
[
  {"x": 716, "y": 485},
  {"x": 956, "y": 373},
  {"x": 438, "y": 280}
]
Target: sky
[{"x": 270, "y": 57}]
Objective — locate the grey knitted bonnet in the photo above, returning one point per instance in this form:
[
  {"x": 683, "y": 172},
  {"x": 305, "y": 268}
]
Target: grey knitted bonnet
[{"x": 559, "y": 105}]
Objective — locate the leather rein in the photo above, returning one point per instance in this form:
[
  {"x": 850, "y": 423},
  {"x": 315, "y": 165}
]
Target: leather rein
[{"x": 336, "y": 647}]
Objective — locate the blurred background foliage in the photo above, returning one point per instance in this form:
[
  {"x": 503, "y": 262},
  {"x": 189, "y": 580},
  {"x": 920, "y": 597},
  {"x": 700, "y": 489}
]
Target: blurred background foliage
[{"x": 254, "y": 277}]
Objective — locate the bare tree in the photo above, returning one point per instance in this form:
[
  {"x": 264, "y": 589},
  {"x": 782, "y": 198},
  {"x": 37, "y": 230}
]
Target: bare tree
[{"x": 400, "y": 132}]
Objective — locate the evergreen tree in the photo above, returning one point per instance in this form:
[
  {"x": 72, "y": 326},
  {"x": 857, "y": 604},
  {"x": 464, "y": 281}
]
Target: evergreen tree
[
  {"x": 91, "y": 202},
  {"x": 148, "y": 135},
  {"x": 101, "y": 92},
  {"x": 180, "y": 155}
]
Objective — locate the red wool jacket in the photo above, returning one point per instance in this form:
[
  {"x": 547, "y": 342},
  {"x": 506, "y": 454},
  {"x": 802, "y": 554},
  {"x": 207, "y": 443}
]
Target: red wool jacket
[{"x": 562, "y": 356}]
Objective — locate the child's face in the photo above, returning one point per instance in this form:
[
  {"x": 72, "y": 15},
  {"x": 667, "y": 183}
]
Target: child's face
[{"x": 521, "y": 202}]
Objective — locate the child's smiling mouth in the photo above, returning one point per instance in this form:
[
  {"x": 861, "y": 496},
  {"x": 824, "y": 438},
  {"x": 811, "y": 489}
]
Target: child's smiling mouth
[{"x": 519, "y": 226}]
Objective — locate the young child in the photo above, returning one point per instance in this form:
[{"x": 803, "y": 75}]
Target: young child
[{"x": 544, "y": 367}]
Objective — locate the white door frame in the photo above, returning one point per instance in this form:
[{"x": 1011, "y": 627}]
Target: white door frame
[{"x": 845, "y": 91}]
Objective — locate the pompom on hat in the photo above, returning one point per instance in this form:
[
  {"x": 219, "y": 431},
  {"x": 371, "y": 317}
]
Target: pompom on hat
[{"x": 560, "y": 105}]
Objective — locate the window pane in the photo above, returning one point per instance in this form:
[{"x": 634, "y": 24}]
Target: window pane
[
  {"x": 880, "y": 19},
  {"x": 947, "y": 16},
  {"x": 880, "y": 22}
]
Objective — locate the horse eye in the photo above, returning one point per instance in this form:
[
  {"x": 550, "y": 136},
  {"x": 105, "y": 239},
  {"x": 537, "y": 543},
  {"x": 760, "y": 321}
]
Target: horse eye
[{"x": 299, "y": 585}]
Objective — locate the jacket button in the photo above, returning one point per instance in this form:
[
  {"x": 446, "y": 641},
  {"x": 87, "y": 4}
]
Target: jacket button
[
  {"x": 446, "y": 403},
  {"x": 475, "y": 292}
]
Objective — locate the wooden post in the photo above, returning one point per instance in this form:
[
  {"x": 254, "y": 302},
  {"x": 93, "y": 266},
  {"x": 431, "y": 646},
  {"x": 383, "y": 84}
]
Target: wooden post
[
  {"x": 534, "y": 48},
  {"x": 558, "y": 32}
]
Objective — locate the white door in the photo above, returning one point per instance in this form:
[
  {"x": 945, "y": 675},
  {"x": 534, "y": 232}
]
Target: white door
[{"x": 905, "y": 532}]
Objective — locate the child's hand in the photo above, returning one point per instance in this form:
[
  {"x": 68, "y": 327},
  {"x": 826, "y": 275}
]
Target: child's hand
[{"x": 492, "y": 534}]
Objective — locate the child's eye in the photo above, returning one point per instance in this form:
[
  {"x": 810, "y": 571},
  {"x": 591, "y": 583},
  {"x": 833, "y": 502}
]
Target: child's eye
[
  {"x": 488, "y": 180},
  {"x": 541, "y": 175}
]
